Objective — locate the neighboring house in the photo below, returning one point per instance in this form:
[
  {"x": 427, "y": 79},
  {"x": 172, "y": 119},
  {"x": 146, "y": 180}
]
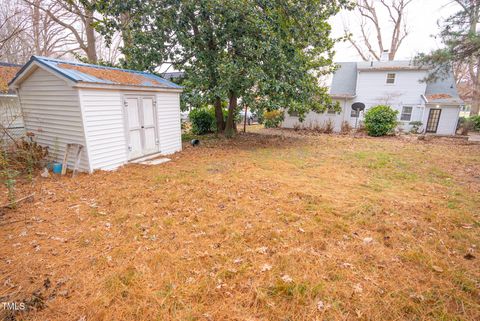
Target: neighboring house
[
  {"x": 11, "y": 123},
  {"x": 117, "y": 115},
  {"x": 395, "y": 83}
]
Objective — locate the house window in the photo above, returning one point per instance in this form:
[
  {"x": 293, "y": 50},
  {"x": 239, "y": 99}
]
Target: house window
[
  {"x": 406, "y": 113},
  {"x": 390, "y": 78}
]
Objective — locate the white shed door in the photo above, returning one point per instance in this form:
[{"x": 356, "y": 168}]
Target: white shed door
[
  {"x": 142, "y": 128},
  {"x": 149, "y": 129}
]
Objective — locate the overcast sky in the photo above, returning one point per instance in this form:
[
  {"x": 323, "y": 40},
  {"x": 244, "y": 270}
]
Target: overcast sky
[{"x": 422, "y": 17}]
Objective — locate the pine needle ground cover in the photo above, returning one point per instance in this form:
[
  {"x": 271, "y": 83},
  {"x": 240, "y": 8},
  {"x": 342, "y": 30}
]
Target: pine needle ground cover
[{"x": 262, "y": 227}]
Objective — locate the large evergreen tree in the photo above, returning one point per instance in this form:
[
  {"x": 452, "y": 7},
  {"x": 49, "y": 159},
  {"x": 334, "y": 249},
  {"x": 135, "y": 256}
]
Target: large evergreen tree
[
  {"x": 461, "y": 38},
  {"x": 266, "y": 54}
]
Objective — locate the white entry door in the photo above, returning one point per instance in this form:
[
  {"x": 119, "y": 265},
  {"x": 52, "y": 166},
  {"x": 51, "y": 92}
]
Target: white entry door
[{"x": 142, "y": 128}]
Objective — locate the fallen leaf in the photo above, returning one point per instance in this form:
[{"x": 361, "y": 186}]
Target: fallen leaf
[
  {"x": 262, "y": 250},
  {"x": 367, "y": 240},
  {"x": 286, "y": 278},
  {"x": 321, "y": 306},
  {"x": 266, "y": 267},
  {"x": 437, "y": 268},
  {"x": 357, "y": 288}
]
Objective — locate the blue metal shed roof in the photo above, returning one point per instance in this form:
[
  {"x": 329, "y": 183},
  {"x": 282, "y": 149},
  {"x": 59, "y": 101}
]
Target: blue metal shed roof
[{"x": 60, "y": 66}]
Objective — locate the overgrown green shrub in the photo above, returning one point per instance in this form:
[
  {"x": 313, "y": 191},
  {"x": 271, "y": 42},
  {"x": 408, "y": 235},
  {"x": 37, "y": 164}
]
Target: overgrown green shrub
[
  {"x": 203, "y": 121},
  {"x": 272, "y": 119},
  {"x": 380, "y": 120},
  {"x": 476, "y": 122}
]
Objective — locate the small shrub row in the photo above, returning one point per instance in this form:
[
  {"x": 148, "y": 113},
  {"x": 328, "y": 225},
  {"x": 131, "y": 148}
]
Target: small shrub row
[
  {"x": 475, "y": 121},
  {"x": 272, "y": 119},
  {"x": 465, "y": 125},
  {"x": 203, "y": 121}
]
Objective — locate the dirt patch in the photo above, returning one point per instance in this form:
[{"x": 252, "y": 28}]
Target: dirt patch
[{"x": 257, "y": 228}]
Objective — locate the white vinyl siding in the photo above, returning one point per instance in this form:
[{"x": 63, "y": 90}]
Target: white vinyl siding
[
  {"x": 51, "y": 111},
  {"x": 104, "y": 127},
  {"x": 169, "y": 128}
]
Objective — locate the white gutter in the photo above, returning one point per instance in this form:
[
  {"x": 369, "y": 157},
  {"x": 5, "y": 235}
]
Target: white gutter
[
  {"x": 424, "y": 98},
  {"x": 125, "y": 87}
]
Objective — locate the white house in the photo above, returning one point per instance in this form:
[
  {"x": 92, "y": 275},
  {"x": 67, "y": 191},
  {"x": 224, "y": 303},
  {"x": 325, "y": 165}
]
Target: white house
[
  {"x": 117, "y": 115},
  {"x": 395, "y": 83},
  {"x": 11, "y": 122}
]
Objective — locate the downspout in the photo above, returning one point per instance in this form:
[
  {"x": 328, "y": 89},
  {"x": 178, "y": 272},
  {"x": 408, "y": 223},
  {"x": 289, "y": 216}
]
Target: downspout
[{"x": 424, "y": 126}]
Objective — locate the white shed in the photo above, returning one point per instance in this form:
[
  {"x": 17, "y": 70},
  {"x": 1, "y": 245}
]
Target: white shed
[{"x": 118, "y": 115}]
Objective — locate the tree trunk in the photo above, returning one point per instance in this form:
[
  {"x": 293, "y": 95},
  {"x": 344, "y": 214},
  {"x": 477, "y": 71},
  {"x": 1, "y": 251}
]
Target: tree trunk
[
  {"x": 126, "y": 36},
  {"x": 232, "y": 107},
  {"x": 475, "y": 107},
  {"x": 36, "y": 29},
  {"x": 219, "y": 115},
  {"x": 91, "y": 40}
]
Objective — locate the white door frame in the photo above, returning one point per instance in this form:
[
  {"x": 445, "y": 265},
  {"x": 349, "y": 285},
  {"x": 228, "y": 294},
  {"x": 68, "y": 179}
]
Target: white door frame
[{"x": 139, "y": 98}]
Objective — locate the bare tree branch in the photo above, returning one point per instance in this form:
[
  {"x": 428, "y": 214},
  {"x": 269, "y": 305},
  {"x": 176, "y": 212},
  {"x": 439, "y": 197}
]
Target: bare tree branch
[
  {"x": 370, "y": 18},
  {"x": 78, "y": 12}
]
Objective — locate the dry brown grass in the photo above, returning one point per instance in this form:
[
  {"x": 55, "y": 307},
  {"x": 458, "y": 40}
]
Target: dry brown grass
[{"x": 257, "y": 228}]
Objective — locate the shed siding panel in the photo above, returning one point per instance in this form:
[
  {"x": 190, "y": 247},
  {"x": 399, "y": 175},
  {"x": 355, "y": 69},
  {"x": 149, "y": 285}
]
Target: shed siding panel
[
  {"x": 105, "y": 127},
  {"x": 169, "y": 128},
  {"x": 51, "y": 110}
]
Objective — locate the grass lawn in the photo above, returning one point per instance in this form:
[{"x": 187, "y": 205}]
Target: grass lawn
[{"x": 258, "y": 228}]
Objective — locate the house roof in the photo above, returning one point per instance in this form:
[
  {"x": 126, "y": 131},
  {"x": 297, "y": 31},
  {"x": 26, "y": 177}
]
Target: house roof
[
  {"x": 99, "y": 75},
  {"x": 393, "y": 65},
  {"x": 7, "y": 72},
  {"x": 344, "y": 82},
  {"x": 443, "y": 91}
]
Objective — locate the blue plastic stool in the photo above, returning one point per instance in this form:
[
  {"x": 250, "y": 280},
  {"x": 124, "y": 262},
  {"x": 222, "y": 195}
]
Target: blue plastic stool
[{"x": 57, "y": 168}]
